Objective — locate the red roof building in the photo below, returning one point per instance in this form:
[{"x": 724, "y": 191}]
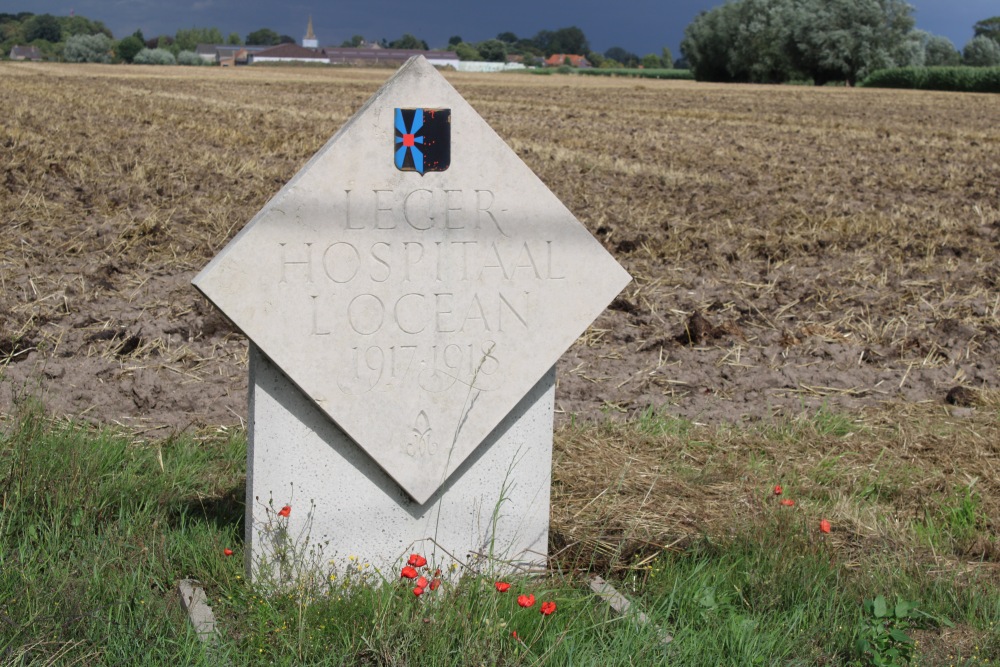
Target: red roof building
[{"x": 557, "y": 59}]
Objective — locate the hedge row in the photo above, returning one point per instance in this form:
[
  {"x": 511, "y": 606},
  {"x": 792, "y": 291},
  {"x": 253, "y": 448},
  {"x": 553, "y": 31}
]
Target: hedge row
[
  {"x": 958, "y": 79},
  {"x": 640, "y": 73}
]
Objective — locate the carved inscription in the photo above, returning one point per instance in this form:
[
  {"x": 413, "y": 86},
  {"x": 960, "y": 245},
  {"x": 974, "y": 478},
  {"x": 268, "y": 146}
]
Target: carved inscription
[{"x": 422, "y": 286}]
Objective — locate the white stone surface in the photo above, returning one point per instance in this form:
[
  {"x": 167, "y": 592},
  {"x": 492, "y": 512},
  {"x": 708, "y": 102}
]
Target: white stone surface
[
  {"x": 344, "y": 505},
  {"x": 416, "y": 311}
]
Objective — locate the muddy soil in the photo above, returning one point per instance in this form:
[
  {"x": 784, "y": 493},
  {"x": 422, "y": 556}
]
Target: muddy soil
[{"x": 793, "y": 250}]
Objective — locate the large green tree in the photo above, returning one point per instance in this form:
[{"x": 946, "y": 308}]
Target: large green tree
[
  {"x": 129, "y": 48},
  {"x": 981, "y": 51},
  {"x": 88, "y": 49},
  {"x": 81, "y": 25},
  {"x": 466, "y": 51},
  {"x": 263, "y": 37},
  {"x": 621, "y": 56},
  {"x": 988, "y": 28},
  {"x": 492, "y": 50},
  {"x": 848, "y": 39},
  {"x": 776, "y": 40},
  {"x": 189, "y": 39},
  {"x": 940, "y": 52},
  {"x": 564, "y": 40},
  {"x": 43, "y": 26},
  {"x": 408, "y": 41}
]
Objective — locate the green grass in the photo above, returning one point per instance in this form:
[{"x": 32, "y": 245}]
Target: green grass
[{"x": 96, "y": 528}]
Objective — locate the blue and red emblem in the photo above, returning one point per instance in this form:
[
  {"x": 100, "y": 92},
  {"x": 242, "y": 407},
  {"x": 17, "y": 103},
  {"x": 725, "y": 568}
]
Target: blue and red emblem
[{"x": 423, "y": 140}]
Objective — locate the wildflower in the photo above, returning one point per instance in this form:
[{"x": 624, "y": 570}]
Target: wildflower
[
  {"x": 416, "y": 560},
  {"x": 435, "y": 583},
  {"x": 285, "y": 511},
  {"x": 824, "y": 526},
  {"x": 787, "y": 502},
  {"x": 418, "y": 591},
  {"x": 502, "y": 586},
  {"x": 227, "y": 551},
  {"x": 777, "y": 489},
  {"x": 548, "y": 608},
  {"x": 437, "y": 572},
  {"x": 513, "y": 633},
  {"x": 408, "y": 572},
  {"x": 526, "y": 600},
  {"x": 422, "y": 582}
]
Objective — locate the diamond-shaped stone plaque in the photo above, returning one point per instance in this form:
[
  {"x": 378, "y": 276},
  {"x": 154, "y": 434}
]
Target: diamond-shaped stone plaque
[{"x": 415, "y": 308}]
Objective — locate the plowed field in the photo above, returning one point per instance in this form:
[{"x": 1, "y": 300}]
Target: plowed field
[{"x": 792, "y": 248}]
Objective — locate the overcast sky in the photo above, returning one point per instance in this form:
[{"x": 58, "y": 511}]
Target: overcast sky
[{"x": 640, "y": 26}]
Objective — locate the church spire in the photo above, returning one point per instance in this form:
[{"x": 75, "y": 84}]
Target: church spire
[{"x": 310, "y": 41}]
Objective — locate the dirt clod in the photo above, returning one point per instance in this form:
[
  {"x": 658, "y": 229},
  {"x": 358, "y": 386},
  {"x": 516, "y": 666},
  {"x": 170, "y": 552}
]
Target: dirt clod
[{"x": 962, "y": 397}]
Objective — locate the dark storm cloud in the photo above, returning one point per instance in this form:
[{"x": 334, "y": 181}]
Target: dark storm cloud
[{"x": 641, "y": 26}]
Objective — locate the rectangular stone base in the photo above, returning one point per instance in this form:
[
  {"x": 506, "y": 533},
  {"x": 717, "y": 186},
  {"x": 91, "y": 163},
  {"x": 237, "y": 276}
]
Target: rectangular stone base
[{"x": 492, "y": 513}]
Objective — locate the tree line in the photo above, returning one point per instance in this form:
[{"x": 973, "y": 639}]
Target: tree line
[
  {"x": 774, "y": 41},
  {"x": 764, "y": 41},
  {"x": 79, "y": 39}
]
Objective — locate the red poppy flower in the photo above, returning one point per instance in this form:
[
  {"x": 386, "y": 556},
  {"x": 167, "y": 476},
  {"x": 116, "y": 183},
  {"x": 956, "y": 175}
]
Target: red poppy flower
[
  {"x": 418, "y": 591},
  {"x": 502, "y": 586},
  {"x": 526, "y": 600},
  {"x": 285, "y": 511},
  {"x": 416, "y": 560},
  {"x": 787, "y": 502},
  {"x": 227, "y": 551},
  {"x": 777, "y": 489},
  {"x": 824, "y": 526},
  {"x": 513, "y": 633},
  {"x": 422, "y": 582},
  {"x": 435, "y": 583},
  {"x": 548, "y": 608},
  {"x": 408, "y": 572},
  {"x": 437, "y": 572}
]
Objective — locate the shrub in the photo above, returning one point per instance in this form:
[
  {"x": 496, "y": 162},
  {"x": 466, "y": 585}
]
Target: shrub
[
  {"x": 88, "y": 49},
  {"x": 155, "y": 57},
  {"x": 190, "y": 58},
  {"x": 957, "y": 79}
]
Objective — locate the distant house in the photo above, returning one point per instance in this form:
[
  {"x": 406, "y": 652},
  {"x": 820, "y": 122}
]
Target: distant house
[
  {"x": 25, "y": 53},
  {"x": 557, "y": 59},
  {"x": 288, "y": 53},
  {"x": 227, "y": 55},
  {"x": 387, "y": 57}
]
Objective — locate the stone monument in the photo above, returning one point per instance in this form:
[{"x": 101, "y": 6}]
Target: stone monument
[{"x": 406, "y": 296}]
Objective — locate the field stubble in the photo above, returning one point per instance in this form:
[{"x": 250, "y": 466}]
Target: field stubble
[{"x": 791, "y": 247}]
